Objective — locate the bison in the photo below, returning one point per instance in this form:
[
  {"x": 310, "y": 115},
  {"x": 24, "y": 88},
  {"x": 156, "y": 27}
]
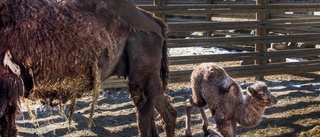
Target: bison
[{"x": 60, "y": 50}]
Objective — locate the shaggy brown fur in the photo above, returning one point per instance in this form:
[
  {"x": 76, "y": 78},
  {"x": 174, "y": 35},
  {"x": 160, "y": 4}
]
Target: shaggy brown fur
[
  {"x": 56, "y": 44},
  {"x": 213, "y": 86},
  {"x": 11, "y": 89}
]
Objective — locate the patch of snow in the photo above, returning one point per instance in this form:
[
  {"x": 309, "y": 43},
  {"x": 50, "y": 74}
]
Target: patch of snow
[
  {"x": 295, "y": 59},
  {"x": 186, "y": 51},
  {"x": 197, "y": 33}
]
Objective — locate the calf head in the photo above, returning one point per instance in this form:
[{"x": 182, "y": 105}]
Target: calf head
[{"x": 260, "y": 92}]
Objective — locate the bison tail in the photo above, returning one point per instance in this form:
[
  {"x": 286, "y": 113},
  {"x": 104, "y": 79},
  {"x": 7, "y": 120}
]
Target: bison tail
[{"x": 164, "y": 72}]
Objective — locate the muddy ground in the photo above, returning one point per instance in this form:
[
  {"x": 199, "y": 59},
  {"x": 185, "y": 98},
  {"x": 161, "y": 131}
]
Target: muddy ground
[{"x": 296, "y": 114}]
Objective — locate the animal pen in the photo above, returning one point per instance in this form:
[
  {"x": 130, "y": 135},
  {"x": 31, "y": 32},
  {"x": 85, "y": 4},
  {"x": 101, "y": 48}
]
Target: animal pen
[{"x": 292, "y": 27}]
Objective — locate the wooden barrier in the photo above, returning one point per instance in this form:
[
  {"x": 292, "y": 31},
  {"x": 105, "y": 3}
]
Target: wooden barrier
[{"x": 294, "y": 20}]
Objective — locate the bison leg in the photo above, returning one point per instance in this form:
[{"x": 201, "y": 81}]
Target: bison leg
[
  {"x": 96, "y": 90},
  {"x": 3, "y": 118},
  {"x": 8, "y": 123},
  {"x": 11, "y": 89},
  {"x": 144, "y": 52},
  {"x": 144, "y": 103},
  {"x": 14, "y": 111},
  {"x": 168, "y": 114},
  {"x": 72, "y": 108}
]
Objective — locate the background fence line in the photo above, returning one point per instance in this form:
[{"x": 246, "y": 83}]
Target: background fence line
[{"x": 249, "y": 25}]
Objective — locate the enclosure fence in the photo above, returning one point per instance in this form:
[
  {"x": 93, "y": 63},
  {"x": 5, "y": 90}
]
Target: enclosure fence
[{"x": 269, "y": 30}]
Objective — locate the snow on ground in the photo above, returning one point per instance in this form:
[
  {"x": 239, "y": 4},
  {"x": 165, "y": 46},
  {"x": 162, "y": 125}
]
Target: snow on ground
[
  {"x": 186, "y": 51},
  {"x": 198, "y": 51},
  {"x": 295, "y": 59}
]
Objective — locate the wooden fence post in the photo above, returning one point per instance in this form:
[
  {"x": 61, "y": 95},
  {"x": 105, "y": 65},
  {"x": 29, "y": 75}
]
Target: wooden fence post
[
  {"x": 208, "y": 18},
  {"x": 160, "y": 4},
  {"x": 262, "y": 16}
]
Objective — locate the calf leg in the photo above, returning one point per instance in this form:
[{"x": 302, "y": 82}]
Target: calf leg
[
  {"x": 195, "y": 101},
  {"x": 189, "y": 108},
  {"x": 205, "y": 121},
  {"x": 168, "y": 114},
  {"x": 225, "y": 126}
]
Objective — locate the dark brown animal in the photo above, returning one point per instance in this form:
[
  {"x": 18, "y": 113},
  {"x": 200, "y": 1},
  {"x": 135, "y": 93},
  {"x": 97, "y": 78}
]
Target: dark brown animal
[
  {"x": 213, "y": 86},
  {"x": 59, "y": 50},
  {"x": 11, "y": 88}
]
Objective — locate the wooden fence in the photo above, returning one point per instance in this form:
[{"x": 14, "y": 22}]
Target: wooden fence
[{"x": 272, "y": 21}]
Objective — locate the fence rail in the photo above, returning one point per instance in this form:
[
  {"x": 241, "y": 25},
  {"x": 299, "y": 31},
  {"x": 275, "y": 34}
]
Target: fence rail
[{"x": 272, "y": 21}]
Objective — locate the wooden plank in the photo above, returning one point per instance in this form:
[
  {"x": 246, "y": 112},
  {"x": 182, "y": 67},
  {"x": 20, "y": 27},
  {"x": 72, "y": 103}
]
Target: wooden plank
[
  {"x": 193, "y": 59},
  {"x": 295, "y": 26},
  {"x": 209, "y": 25},
  {"x": 178, "y": 60},
  {"x": 262, "y": 16},
  {"x": 184, "y": 2},
  {"x": 227, "y": 8},
  {"x": 271, "y": 69},
  {"x": 143, "y": 2},
  {"x": 160, "y": 4},
  {"x": 277, "y": 17},
  {"x": 228, "y": 33},
  {"x": 203, "y": 26},
  {"x": 181, "y": 42},
  {"x": 290, "y": 1},
  {"x": 295, "y": 31},
  {"x": 301, "y": 19},
  {"x": 293, "y": 53},
  {"x": 255, "y": 70},
  {"x": 243, "y": 71},
  {"x": 208, "y": 17},
  {"x": 291, "y": 16}
]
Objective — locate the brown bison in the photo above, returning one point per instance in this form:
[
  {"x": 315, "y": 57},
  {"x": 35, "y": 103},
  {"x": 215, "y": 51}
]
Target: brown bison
[{"x": 59, "y": 50}]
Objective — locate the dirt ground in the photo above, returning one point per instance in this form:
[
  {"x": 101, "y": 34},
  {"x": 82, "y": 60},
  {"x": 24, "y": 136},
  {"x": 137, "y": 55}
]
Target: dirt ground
[{"x": 296, "y": 114}]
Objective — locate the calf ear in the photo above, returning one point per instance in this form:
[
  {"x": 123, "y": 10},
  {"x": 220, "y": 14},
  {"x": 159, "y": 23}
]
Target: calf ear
[{"x": 252, "y": 91}]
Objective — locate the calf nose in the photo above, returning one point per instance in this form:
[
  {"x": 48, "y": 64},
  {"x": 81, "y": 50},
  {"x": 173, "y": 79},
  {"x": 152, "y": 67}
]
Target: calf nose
[{"x": 274, "y": 100}]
